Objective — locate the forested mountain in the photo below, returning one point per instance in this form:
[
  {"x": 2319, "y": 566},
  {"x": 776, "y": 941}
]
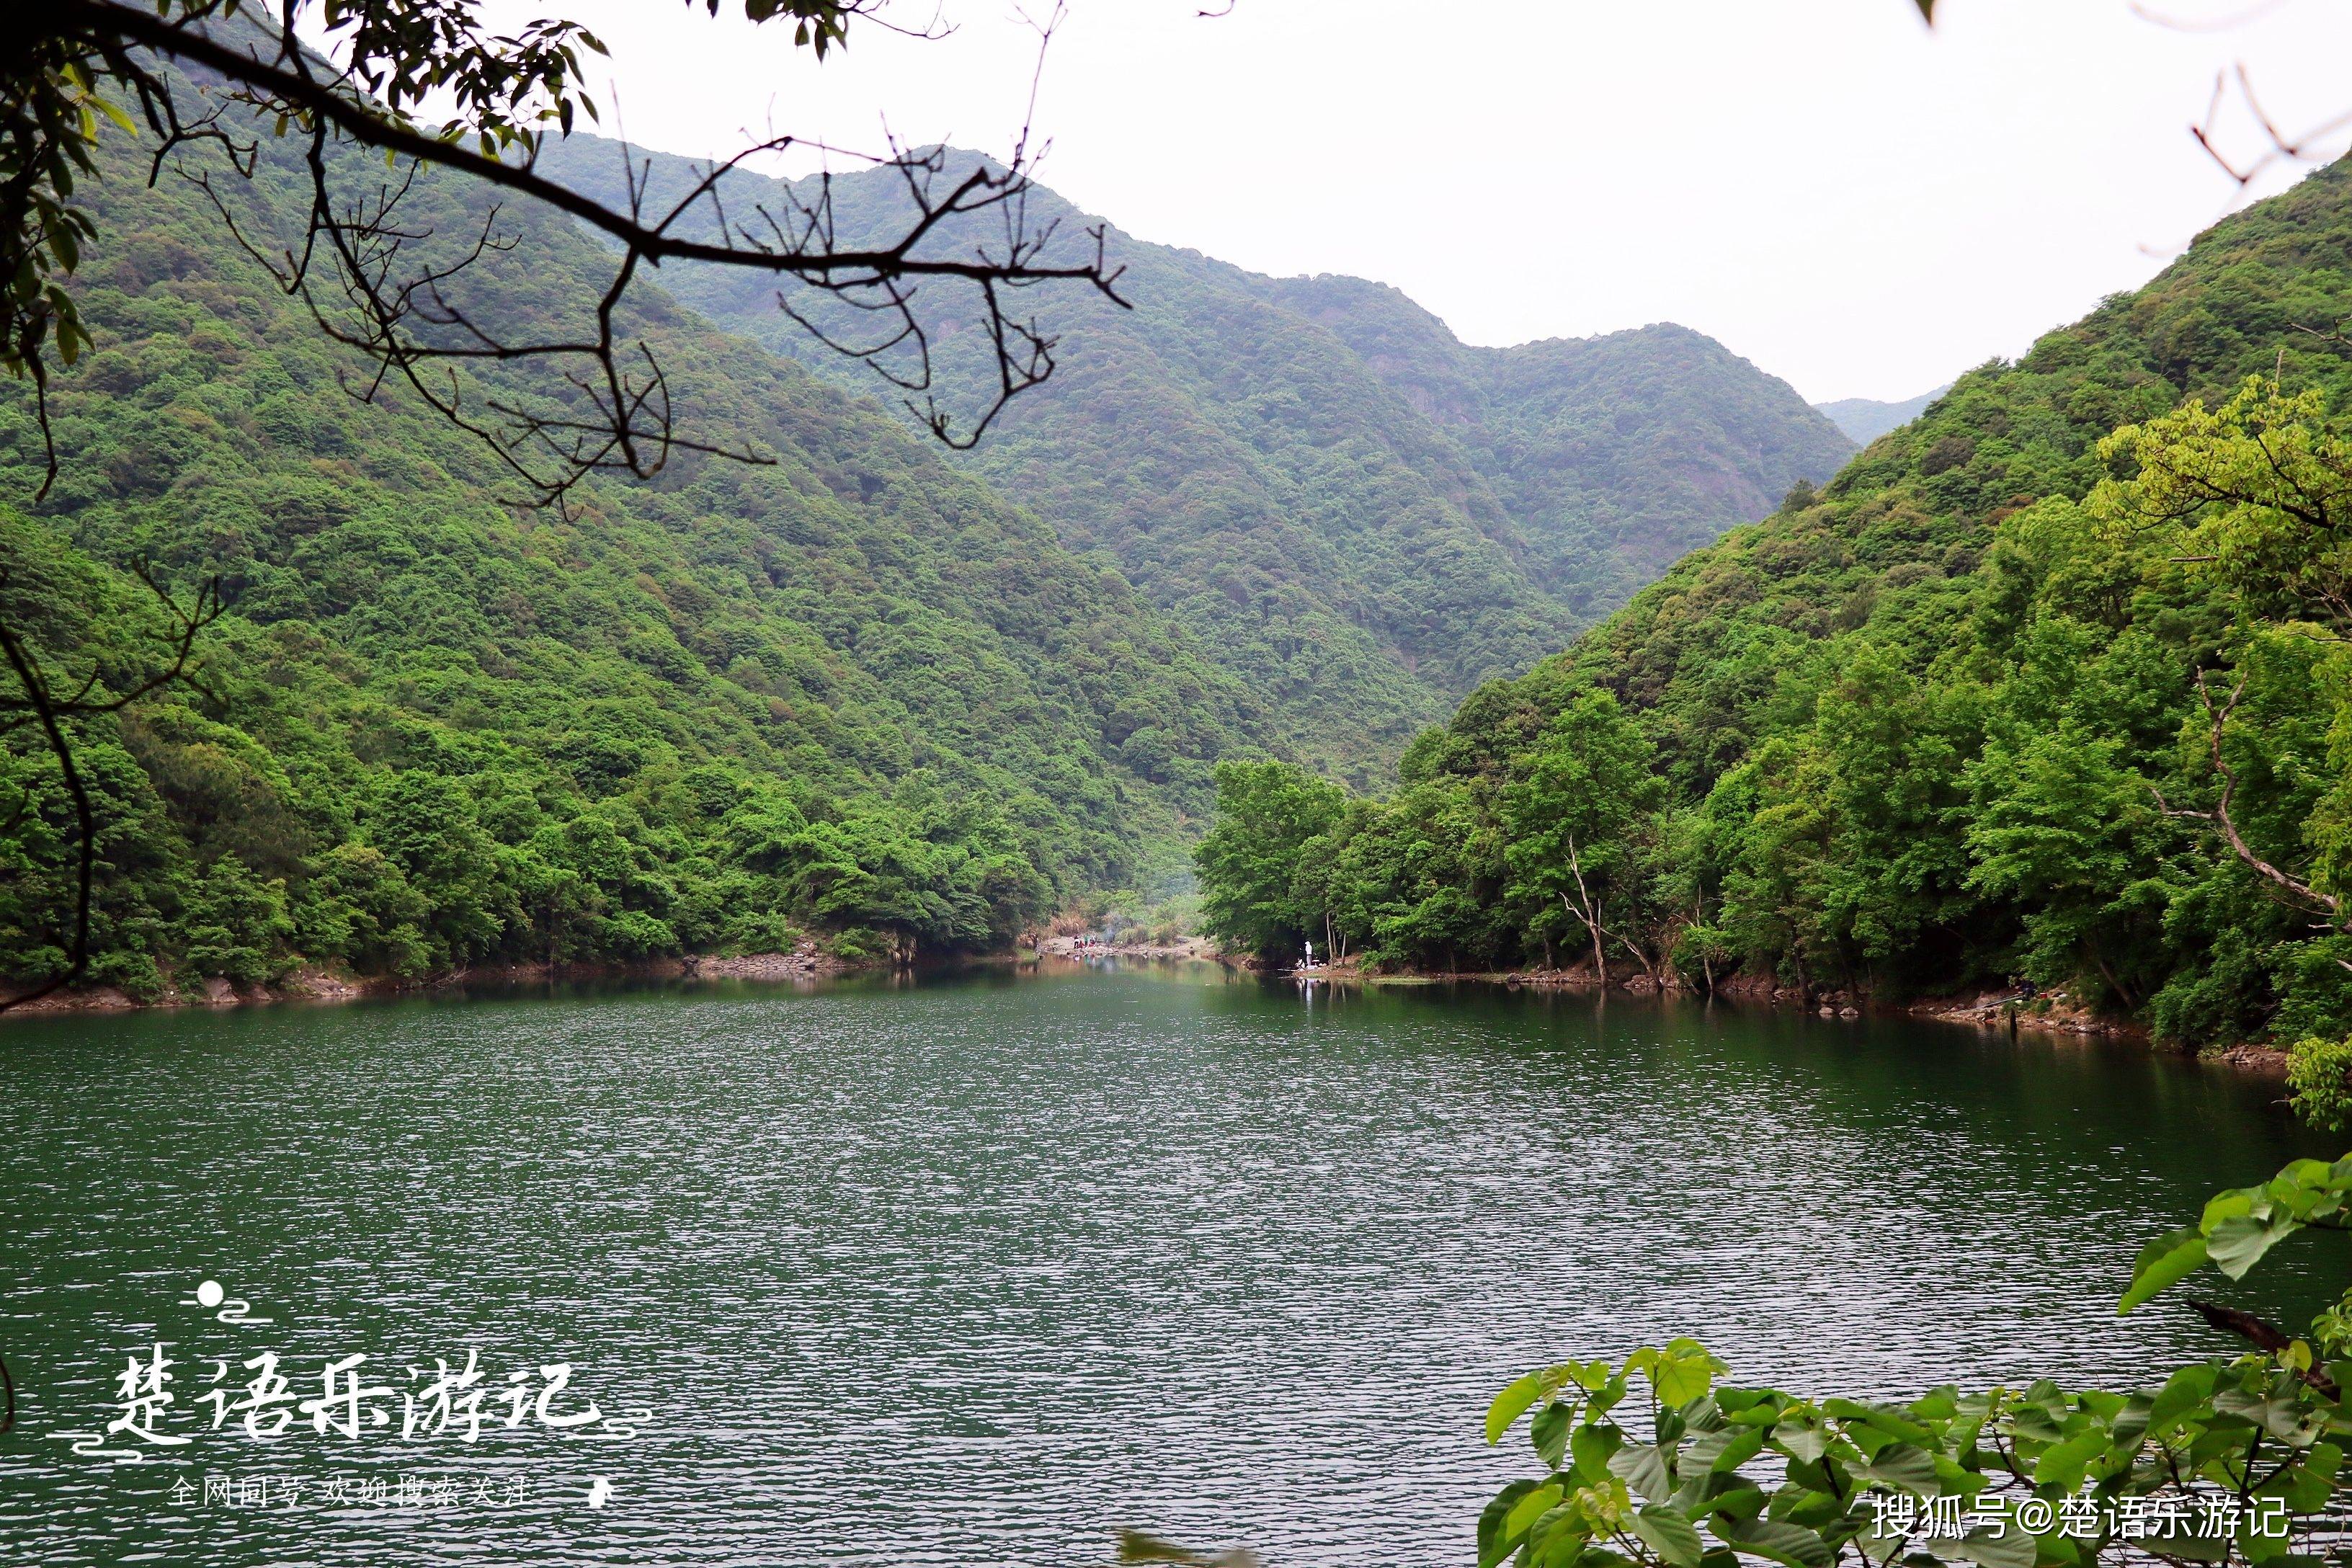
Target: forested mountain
[
  {"x": 1354, "y": 512},
  {"x": 1613, "y": 455},
  {"x": 1938, "y": 723},
  {"x": 1865, "y": 420},
  {"x": 854, "y": 689}
]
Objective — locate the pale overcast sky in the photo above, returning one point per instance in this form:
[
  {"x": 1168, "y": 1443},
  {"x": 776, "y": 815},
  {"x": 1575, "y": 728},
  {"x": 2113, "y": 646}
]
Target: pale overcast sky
[{"x": 1857, "y": 204}]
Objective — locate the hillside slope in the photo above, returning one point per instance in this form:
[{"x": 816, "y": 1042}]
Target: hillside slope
[
  {"x": 1613, "y": 455},
  {"x": 1269, "y": 468},
  {"x": 854, "y": 689},
  {"x": 1900, "y": 530},
  {"x": 1938, "y": 723}
]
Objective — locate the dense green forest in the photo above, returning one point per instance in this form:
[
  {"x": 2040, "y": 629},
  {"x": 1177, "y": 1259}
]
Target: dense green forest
[
  {"x": 1355, "y": 513},
  {"x": 1938, "y": 723},
  {"x": 853, "y": 691},
  {"x": 856, "y": 691},
  {"x": 1613, "y": 455}
]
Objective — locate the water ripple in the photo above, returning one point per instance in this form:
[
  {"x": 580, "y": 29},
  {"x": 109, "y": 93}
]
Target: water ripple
[{"x": 977, "y": 1273}]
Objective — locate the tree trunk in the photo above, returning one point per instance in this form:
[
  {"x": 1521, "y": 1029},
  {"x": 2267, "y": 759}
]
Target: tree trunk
[
  {"x": 2122, "y": 992},
  {"x": 1590, "y": 916},
  {"x": 1641, "y": 954},
  {"x": 1698, "y": 918}
]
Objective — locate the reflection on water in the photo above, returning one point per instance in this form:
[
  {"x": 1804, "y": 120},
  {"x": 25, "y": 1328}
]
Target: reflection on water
[{"x": 975, "y": 1271}]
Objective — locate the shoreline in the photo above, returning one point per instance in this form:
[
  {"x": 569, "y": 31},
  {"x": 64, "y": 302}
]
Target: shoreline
[
  {"x": 806, "y": 962},
  {"x": 2049, "y": 1014},
  {"x": 1192, "y": 947}
]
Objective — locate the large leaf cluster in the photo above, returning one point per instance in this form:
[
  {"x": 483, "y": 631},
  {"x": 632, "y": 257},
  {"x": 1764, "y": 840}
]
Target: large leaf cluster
[
  {"x": 1715, "y": 1474},
  {"x": 1655, "y": 1462}
]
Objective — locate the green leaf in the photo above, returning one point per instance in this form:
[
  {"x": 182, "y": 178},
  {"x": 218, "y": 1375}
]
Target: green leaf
[
  {"x": 2162, "y": 1263},
  {"x": 1805, "y": 1441},
  {"x": 2282, "y": 1416},
  {"x": 112, "y": 110},
  {"x": 1642, "y": 1468},
  {"x": 1876, "y": 1548},
  {"x": 2197, "y": 1547},
  {"x": 1591, "y": 1377},
  {"x": 1904, "y": 1468},
  {"x": 1999, "y": 1546},
  {"x": 1742, "y": 1448},
  {"x": 1788, "y": 1544},
  {"x": 1800, "y": 1503},
  {"x": 1670, "y": 1535},
  {"x": 1512, "y": 1404},
  {"x": 1880, "y": 1418},
  {"x": 2184, "y": 1392},
  {"x": 1554, "y": 1542},
  {"x": 1683, "y": 1372},
  {"x": 2239, "y": 1243},
  {"x": 2261, "y": 1548},
  {"x": 1550, "y": 1432},
  {"x": 2230, "y": 1204},
  {"x": 1529, "y": 1509},
  {"x": 2129, "y": 1425},
  {"x": 1593, "y": 1447},
  {"x": 2062, "y": 1464},
  {"x": 1493, "y": 1545}
]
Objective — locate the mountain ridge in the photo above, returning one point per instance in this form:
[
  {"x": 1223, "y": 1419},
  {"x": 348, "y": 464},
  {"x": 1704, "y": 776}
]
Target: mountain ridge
[
  {"x": 1865, "y": 420},
  {"x": 1353, "y": 557},
  {"x": 1704, "y": 460}
]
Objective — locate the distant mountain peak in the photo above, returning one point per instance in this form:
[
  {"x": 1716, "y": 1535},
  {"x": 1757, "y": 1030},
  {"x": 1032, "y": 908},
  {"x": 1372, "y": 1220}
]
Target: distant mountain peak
[{"x": 1865, "y": 420}]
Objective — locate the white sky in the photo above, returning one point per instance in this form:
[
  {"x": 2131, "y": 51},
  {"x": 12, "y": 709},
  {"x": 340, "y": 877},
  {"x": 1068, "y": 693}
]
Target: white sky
[{"x": 1853, "y": 202}]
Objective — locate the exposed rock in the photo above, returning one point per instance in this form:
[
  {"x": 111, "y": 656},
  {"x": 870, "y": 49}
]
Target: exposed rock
[
  {"x": 805, "y": 962},
  {"x": 2049, "y": 1012}
]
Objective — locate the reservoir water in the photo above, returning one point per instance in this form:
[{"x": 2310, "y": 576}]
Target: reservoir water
[{"x": 981, "y": 1270}]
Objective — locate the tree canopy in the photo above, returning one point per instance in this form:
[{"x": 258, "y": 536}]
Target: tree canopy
[
  {"x": 846, "y": 692},
  {"x": 221, "y": 89}
]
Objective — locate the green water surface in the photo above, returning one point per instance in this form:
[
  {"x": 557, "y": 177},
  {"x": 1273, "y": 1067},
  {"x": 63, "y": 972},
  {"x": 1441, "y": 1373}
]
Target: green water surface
[{"x": 978, "y": 1271}]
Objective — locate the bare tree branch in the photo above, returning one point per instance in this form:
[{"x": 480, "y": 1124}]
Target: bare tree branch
[
  {"x": 379, "y": 281},
  {"x": 2216, "y": 719},
  {"x": 2263, "y": 1335},
  {"x": 2280, "y": 148},
  {"x": 402, "y": 315},
  {"x": 39, "y": 704}
]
